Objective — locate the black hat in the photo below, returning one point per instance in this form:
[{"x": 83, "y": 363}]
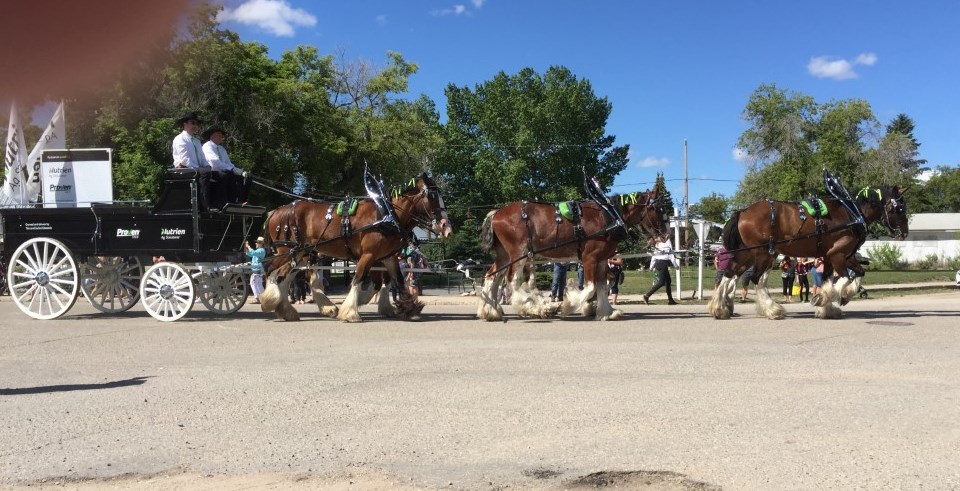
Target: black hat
[
  {"x": 211, "y": 130},
  {"x": 188, "y": 117}
]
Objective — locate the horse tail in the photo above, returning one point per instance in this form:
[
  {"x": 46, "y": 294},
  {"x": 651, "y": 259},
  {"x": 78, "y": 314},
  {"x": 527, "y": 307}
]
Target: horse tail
[
  {"x": 731, "y": 233},
  {"x": 487, "y": 237},
  {"x": 265, "y": 231}
]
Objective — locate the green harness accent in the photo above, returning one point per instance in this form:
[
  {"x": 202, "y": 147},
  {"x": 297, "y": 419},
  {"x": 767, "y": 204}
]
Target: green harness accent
[
  {"x": 353, "y": 207},
  {"x": 818, "y": 211},
  {"x": 566, "y": 211},
  {"x": 397, "y": 191},
  {"x": 866, "y": 193}
]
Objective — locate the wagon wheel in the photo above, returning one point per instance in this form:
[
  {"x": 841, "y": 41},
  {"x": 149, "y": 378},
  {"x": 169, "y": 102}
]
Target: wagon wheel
[
  {"x": 223, "y": 292},
  {"x": 166, "y": 291},
  {"x": 44, "y": 279},
  {"x": 111, "y": 284}
]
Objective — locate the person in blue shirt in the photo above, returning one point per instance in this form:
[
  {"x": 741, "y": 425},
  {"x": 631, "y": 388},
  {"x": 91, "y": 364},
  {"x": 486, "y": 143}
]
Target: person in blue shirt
[{"x": 256, "y": 255}]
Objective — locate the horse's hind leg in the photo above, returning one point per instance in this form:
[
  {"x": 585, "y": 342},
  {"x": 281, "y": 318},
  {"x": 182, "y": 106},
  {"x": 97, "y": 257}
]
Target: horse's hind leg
[
  {"x": 767, "y": 306},
  {"x": 527, "y": 298},
  {"x": 721, "y": 305},
  {"x": 275, "y": 297}
]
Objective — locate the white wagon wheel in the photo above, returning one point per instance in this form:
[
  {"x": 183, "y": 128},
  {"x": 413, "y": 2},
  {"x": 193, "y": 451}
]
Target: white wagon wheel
[
  {"x": 166, "y": 291},
  {"x": 223, "y": 292},
  {"x": 111, "y": 284},
  {"x": 43, "y": 277}
]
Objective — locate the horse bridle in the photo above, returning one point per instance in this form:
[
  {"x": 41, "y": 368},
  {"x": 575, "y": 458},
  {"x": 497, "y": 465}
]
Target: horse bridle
[
  {"x": 655, "y": 203},
  {"x": 897, "y": 205},
  {"x": 432, "y": 192}
]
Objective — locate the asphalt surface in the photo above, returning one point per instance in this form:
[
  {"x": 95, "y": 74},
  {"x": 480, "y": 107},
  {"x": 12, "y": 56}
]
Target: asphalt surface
[{"x": 871, "y": 401}]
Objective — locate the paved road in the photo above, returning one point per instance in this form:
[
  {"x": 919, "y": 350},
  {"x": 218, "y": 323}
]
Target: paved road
[{"x": 868, "y": 402}]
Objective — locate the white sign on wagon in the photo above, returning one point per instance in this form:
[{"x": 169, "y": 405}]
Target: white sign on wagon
[{"x": 76, "y": 177}]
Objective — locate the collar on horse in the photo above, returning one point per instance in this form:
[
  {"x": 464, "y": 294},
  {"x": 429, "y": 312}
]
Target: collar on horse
[{"x": 616, "y": 226}]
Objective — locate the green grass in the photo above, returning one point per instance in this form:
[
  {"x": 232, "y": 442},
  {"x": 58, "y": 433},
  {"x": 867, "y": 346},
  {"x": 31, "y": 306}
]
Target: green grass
[{"x": 640, "y": 281}]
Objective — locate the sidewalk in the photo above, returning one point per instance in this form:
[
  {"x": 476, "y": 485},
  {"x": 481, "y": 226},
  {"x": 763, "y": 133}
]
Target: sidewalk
[{"x": 440, "y": 296}]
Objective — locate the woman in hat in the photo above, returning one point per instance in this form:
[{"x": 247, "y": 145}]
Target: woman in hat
[{"x": 256, "y": 255}]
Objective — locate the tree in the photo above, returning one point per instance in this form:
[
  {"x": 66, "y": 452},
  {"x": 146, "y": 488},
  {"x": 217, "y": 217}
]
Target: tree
[
  {"x": 528, "y": 136},
  {"x": 940, "y": 194},
  {"x": 792, "y": 138},
  {"x": 714, "y": 207},
  {"x": 908, "y": 151}
]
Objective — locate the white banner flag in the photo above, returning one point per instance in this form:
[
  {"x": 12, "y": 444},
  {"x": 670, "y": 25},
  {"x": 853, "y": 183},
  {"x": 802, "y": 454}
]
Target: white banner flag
[
  {"x": 15, "y": 160},
  {"x": 53, "y": 138}
]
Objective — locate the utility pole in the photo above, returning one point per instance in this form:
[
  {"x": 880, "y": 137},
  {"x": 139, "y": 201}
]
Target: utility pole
[{"x": 686, "y": 198}]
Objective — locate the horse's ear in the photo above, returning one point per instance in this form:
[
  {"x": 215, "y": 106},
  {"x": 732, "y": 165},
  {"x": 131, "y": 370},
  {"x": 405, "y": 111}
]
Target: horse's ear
[{"x": 901, "y": 189}]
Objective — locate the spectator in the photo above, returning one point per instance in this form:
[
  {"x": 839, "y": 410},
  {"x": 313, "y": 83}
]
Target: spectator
[
  {"x": 817, "y": 275},
  {"x": 802, "y": 264},
  {"x": 788, "y": 273},
  {"x": 745, "y": 283},
  {"x": 298, "y": 294},
  {"x": 615, "y": 264},
  {"x": 662, "y": 259},
  {"x": 721, "y": 261},
  {"x": 559, "y": 281}
]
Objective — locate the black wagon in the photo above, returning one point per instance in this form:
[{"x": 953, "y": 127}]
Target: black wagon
[{"x": 166, "y": 256}]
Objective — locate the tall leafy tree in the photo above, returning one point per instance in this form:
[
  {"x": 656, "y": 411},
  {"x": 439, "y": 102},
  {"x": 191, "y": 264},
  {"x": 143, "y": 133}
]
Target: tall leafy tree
[
  {"x": 527, "y": 136},
  {"x": 792, "y": 138}
]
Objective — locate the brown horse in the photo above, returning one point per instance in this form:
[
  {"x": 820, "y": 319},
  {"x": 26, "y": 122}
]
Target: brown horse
[
  {"x": 756, "y": 234},
  {"x": 298, "y": 229},
  {"x": 521, "y": 229}
]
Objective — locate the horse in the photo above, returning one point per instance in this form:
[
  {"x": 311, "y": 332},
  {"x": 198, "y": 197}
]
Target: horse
[
  {"x": 298, "y": 229},
  {"x": 521, "y": 229},
  {"x": 757, "y": 233}
]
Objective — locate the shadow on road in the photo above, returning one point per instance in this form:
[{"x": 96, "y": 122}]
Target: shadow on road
[{"x": 71, "y": 387}]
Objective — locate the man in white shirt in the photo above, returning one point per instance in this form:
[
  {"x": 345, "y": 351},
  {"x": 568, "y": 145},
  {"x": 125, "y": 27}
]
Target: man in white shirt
[
  {"x": 232, "y": 183},
  {"x": 188, "y": 157}
]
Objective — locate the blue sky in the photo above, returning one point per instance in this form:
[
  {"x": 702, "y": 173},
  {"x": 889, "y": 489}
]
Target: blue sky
[{"x": 673, "y": 70}]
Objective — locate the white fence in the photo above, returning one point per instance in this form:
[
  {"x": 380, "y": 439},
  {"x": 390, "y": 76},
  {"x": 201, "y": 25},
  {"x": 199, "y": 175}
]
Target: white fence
[{"x": 915, "y": 250}]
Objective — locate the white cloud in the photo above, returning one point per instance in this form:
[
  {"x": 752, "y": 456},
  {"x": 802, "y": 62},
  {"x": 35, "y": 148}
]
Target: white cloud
[
  {"x": 927, "y": 174},
  {"x": 477, "y": 3},
  {"x": 866, "y": 59},
  {"x": 455, "y": 10},
  {"x": 381, "y": 20},
  {"x": 654, "y": 162},
  {"x": 274, "y": 16},
  {"x": 838, "y": 69}
]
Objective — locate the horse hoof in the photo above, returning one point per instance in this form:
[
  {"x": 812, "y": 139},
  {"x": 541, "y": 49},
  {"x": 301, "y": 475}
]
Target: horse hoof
[{"x": 817, "y": 300}]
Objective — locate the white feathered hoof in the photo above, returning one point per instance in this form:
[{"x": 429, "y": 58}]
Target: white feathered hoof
[
  {"x": 615, "y": 315},
  {"x": 817, "y": 300},
  {"x": 489, "y": 313},
  {"x": 718, "y": 308},
  {"x": 270, "y": 298},
  {"x": 775, "y": 312},
  {"x": 349, "y": 315},
  {"x": 330, "y": 311}
]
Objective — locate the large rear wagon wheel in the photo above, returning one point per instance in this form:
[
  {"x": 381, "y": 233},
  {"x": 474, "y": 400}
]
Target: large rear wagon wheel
[
  {"x": 166, "y": 291},
  {"x": 43, "y": 278},
  {"x": 111, "y": 284},
  {"x": 223, "y": 292}
]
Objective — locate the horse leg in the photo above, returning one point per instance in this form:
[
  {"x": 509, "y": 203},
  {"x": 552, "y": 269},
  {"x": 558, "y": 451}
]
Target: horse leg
[
  {"x": 489, "y": 308},
  {"x": 767, "y": 306},
  {"x": 829, "y": 294},
  {"x": 571, "y": 298},
  {"x": 275, "y": 296},
  {"x": 408, "y": 307},
  {"x": 350, "y": 309},
  {"x": 529, "y": 302},
  {"x": 721, "y": 304},
  {"x": 326, "y": 307}
]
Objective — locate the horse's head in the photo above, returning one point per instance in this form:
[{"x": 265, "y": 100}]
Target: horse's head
[
  {"x": 886, "y": 204},
  {"x": 422, "y": 200},
  {"x": 645, "y": 210}
]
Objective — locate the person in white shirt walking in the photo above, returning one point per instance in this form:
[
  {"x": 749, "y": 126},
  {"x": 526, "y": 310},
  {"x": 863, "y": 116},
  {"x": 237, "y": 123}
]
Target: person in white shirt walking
[
  {"x": 661, "y": 261},
  {"x": 188, "y": 157},
  {"x": 232, "y": 184}
]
